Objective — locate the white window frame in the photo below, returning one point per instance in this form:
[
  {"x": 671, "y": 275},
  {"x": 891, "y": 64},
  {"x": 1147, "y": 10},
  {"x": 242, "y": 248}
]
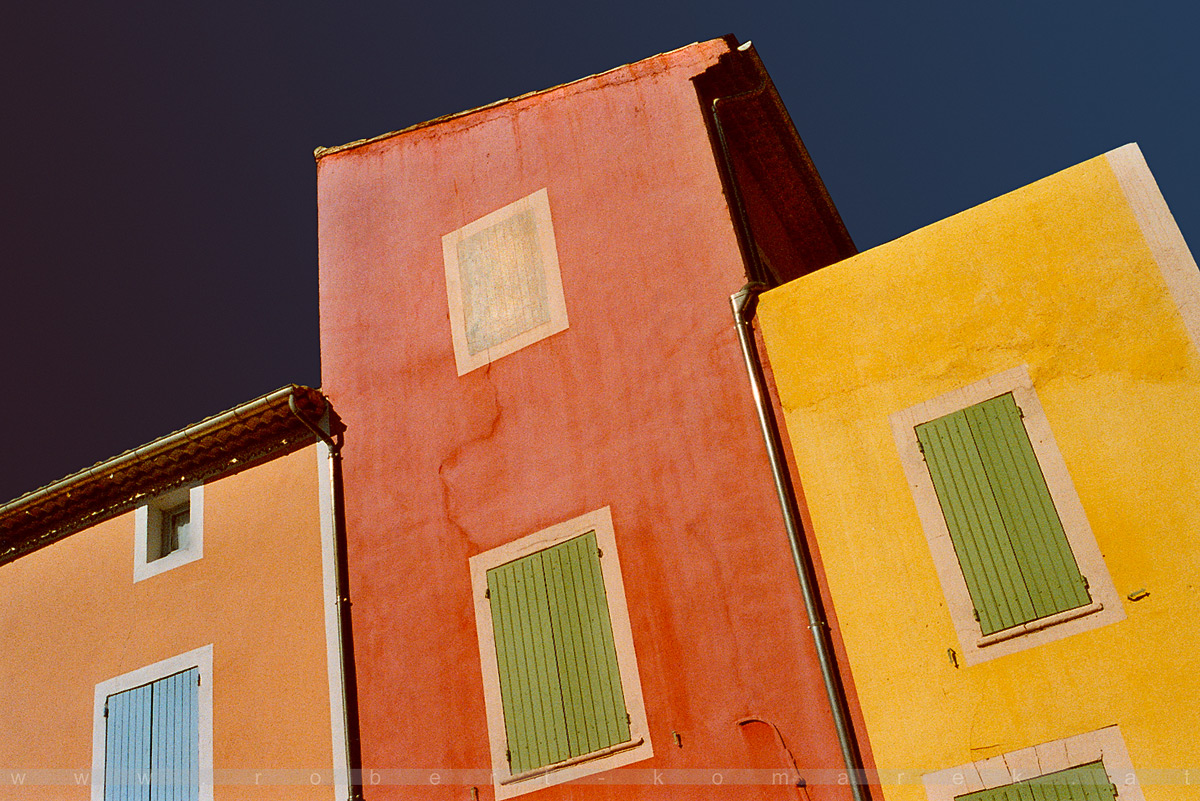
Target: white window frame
[
  {"x": 1106, "y": 606},
  {"x": 147, "y": 525},
  {"x": 539, "y": 204},
  {"x": 1105, "y": 745},
  {"x": 201, "y": 659},
  {"x": 639, "y": 746}
]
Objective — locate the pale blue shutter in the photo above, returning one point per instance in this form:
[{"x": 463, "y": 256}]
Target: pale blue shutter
[
  {"x": 152, "y": 741},
  {"x": 175, "y": 745},
  {"x": 127, "y": 745}
]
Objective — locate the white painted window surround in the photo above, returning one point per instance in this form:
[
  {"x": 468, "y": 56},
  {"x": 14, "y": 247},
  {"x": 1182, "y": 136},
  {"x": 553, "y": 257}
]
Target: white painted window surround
[
  {"x": 503, "y": 283},
  {"x": 201, "y": 659},
  {"x": 148, "y": 529},
  {"x": 1106, "y": 607},
  {"x": 639, "y": 746}
]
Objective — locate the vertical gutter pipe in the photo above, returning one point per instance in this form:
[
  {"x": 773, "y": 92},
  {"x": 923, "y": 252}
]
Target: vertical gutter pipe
[
  {"x": 342, "y": 590},
  {"x": 744, "y": 303}
]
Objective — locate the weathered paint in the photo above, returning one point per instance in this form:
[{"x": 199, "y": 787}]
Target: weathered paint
[
  {"x": 641, "y": 405},
  {"x": 1068, "y": 276},
  {"x": 73, "y": 617}
]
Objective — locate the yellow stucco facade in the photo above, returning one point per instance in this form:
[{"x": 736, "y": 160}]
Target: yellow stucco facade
[
  {"x": 1083, "y": 280},
  {"x": 253, "y": 605}
]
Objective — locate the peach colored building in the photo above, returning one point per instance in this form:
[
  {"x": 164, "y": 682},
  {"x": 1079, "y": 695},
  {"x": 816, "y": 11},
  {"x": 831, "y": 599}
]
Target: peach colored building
[
  {"x": 171, "y": 619},
  {"x": 570, "y": 570}
]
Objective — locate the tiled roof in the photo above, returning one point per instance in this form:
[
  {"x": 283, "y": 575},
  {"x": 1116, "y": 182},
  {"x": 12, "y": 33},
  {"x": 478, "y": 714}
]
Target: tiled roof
[{"x": 232, "y": 440}]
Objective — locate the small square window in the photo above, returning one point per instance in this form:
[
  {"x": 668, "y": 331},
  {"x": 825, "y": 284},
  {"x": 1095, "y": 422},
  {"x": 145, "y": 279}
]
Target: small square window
[{"x": 168, "y": 532}]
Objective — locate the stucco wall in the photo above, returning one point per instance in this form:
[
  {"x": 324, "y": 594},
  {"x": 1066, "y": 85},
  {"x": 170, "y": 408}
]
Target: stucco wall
[
  {"x": 1058, "y": 276},
  {"x": 641, "y": 405},
  {"x": 73, "y": 617}
]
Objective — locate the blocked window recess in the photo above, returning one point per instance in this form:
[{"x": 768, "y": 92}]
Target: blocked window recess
[{"x": 503, "y": 282}]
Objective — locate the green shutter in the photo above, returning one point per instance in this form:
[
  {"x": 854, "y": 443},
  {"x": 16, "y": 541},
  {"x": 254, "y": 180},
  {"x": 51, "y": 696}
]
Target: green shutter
[
  {"x": 1083, "y": 783},
  {"x": 559, "y": 682},
  {"x": 1006, "y": 532}
]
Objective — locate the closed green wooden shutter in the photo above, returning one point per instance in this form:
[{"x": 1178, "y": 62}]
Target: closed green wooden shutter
[
  {"x": 559, "y": 682},
  {"x": 1083, "y": 783},
  {"x": 1006, "y": 532}
]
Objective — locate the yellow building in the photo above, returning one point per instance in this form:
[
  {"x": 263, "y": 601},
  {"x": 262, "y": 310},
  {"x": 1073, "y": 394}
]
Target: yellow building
[
  {"x": 171, "y": 618},
  {"x": 994, "y": 421}
]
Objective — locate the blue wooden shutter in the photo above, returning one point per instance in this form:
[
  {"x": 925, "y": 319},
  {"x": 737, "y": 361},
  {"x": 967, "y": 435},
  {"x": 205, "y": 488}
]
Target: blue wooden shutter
[
  {"x": 174, "y": 740},
  {"x": 1082, "y": 783},
  {"x": 127, "y": 745},
  {"x": 560, "y": 685},
  {"x": 1010, "y": 543},
  {"x": 152, "y": 745}
]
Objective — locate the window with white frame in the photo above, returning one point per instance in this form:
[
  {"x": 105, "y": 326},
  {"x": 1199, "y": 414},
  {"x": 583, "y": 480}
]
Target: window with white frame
[
  {"x": 1011, "y": 543},
  {"x": 561, "y": 685},
  {"x": 168, "y": 532},
  {"x": 152, "y": 732}
]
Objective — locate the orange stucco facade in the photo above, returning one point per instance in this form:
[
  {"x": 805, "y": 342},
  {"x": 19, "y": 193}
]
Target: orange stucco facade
[
  {"x": 639, "y": 406},
  {"x": 74, "y": 617}
]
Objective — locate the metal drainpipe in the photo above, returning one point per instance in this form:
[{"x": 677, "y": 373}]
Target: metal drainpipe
[
  {"x": 744, "y": 303},
  {"x": 342, "y": 578}
]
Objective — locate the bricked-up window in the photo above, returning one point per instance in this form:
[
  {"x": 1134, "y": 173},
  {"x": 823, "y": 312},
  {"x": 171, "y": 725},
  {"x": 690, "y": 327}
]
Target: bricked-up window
[
  {"x": 561, "y": 682},
  {"x": 503, "y": 282},
  {"x": 1009, "y": 537}
]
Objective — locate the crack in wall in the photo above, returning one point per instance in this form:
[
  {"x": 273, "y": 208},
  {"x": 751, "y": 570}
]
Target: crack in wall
[{"x": 456, "y": 454}]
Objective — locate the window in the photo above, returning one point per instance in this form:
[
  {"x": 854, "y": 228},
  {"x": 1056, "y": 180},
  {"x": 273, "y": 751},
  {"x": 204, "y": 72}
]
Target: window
[
  {"x": 152, "y": 737},
  {"x": 168, "y": 532},
  {"x": 1009, "y": 537},
  {"x": 1085, "y": 767},
  {"x": 503, "y": 282},
  {"x": 1083, "y": 783},
  {"x": 561, "y": 687}
]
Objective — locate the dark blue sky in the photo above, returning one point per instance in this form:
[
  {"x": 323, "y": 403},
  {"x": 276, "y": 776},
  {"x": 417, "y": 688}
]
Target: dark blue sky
[{"x": 159, "y": 197}]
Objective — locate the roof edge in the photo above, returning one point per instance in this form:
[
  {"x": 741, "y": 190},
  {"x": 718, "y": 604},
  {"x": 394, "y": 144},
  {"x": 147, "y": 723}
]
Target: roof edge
[
  {"x": 320, "y": 152},
  {"x": 157, "y": 447}
]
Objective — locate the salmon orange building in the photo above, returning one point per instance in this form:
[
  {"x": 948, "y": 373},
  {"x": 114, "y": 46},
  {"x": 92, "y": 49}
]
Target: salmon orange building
[
  {"x": 172, "y": 619},
  {"x": 570, "y": 571}
]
